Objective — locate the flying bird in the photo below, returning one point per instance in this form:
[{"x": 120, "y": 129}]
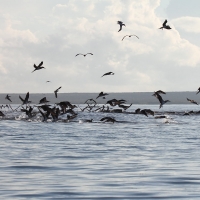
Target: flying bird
[
  {"x": 101, "y": 94},
  {"x": 192, "y": 101},
  {"x": 38, "y": 67},
  {"x": 56, "y": 91},
  {"x": 84, "y": 54},
  {"x": 43, "y": 100},
  {"x": 120, "y": 24},
  {"x": 8, "y": 98},
  {"x": 108, "y": 73},
  {"x": 129, "y": 36},
  {"x": 162, "y": 102},
  {"x": 25, "y": 101},
  {"x": 165, "y": 26}
]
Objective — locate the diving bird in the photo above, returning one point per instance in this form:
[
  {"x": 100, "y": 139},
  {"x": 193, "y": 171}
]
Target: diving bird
[
  {"x": 25, "y": 101},
  {"x": 120, "y": 24},
  {"x": 108, "y": 73},
  {"x": 84, "y": 54},
  {"x": 162, "y": 102},
  {"x": 56, "y": 91},
  {"x": 198, "y": 90},
  {"x": 38, "y": 67},
  {"x": 101, "y": 94},
  {"x": 192, "y": 101},
  {"x": 8, "y": 98},
  {"x": 165, "y": 26},
  {"x": 129, "y": 36}
]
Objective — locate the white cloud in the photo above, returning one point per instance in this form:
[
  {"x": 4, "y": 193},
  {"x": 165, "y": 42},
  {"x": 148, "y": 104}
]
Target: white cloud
[
  {"x": 188, "y": 24},
  {"x": 91, "y": 26}
]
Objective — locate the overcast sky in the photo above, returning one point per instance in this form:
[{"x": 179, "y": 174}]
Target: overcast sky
[{"x": 54, "y": 31}]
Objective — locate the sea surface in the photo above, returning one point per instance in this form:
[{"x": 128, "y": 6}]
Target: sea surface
[{"x": 137, "y": 157}]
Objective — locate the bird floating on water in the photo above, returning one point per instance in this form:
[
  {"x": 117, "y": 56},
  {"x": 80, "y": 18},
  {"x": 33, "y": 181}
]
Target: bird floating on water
[
  {"x": 108, "y": 73},
  {"x": 129, "y": 36},
  {"x": 84, "y": 54},
  {"x": 8, "y": 98},
  {"x": 38, "y": 67},
  {"x": 108, "y": 119},
  {"x": 121, "y": 24},
  {"x": 165, "y": 26},
  {"x": 56, "y": 91}
]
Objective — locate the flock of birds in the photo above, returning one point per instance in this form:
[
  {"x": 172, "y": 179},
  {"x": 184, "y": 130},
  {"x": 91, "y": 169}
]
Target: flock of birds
[{"x": 52, "y": 112}]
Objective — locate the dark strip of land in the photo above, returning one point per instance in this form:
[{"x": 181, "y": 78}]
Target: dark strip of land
[{"x": 79, "y": 98}]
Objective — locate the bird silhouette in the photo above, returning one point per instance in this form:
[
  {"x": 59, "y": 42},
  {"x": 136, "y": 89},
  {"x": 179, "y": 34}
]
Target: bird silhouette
[
  {"x": 120, "y": 24},
  {"x": 108, "y": 119},
  {"x": 8, "y": 98},
  {"x": 108, "y": 73},
  {"x": 43, "y": 100},
  {"x": 101, "y": 94},
  {"x": 83, "y": 54},
  {"x": 192, "y": 101},
  {"x": 162, "y": 102},
  {"x": 25, "y": 101},
  {"x": 165, "y": 26},
  {"x": 56, "y": 91},
  {"x": 130, "y": 36},
  {"x": 38, "y": 67}
]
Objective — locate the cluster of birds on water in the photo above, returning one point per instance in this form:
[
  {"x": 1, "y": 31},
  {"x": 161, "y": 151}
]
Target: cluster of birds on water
[{"x": 52, "y": 112}]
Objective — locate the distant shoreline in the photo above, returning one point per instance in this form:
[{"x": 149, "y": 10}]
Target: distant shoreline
[{"x": 80, "y": 98}]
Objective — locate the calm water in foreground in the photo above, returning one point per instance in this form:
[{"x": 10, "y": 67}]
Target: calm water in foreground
[{"x": 138, "y": 157}]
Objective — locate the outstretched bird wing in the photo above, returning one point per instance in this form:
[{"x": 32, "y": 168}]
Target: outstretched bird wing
[
  {"x": 135, "y": 36},
  {"x": 124, "y": 37},
  {"x": 27, "y": 97},
  {"x": 89, "y": 53},
  {"x": 21, "y": 98},
  {"x": 164, "y": 23},
  {"x": 78, "y": 54},
  {"x": 40, "y": 64}
]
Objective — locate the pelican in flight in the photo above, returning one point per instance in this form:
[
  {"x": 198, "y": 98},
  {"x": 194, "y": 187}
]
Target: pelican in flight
[
  {"x": 130, "y": 36},
  {"x": 165, "y": 26},
  {"x": 192, "y": 101},
  {"x": 8, "y": 98},
  {"x": 38, "y": 67},
  {"x": 56, "y": 91},
  {"x": 162, "y": 102},
  {"x": 120, "y": 24},
  {"x": 25, "y": 101},
  {"x": 101, "y": 94},
  {"x": 83, "y": 54},
  {"x": 108, "y": 73}
]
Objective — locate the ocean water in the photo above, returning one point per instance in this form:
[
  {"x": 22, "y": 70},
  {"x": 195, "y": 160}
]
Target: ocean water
[{"x": 137, "y": 157}]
